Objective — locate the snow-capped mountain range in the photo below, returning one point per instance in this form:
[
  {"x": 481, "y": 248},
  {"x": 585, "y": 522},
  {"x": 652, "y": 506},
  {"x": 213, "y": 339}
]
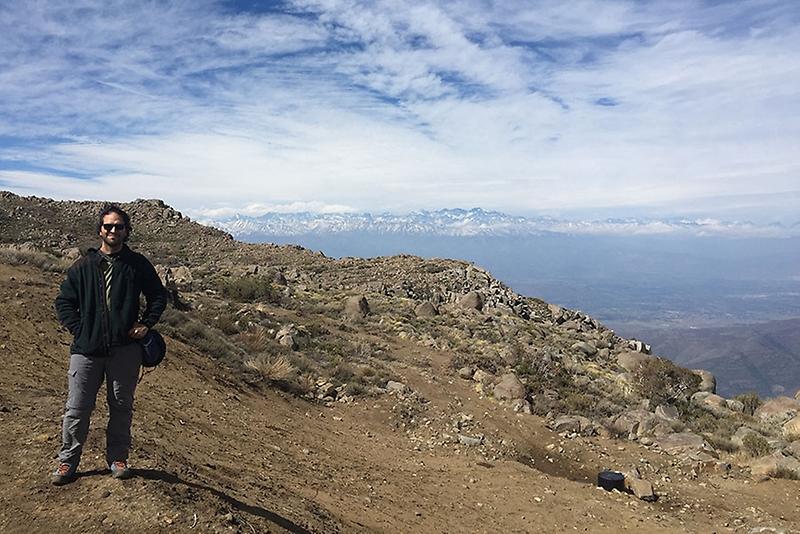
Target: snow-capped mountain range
[{"x": 479, "y": 222}]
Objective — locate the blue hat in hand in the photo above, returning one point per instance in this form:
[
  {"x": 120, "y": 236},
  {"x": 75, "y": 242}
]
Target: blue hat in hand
[{"x": 154, "y": 348}]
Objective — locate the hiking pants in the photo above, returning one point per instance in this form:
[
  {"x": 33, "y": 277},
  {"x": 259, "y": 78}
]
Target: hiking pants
[{"x": 121, "y": 372}]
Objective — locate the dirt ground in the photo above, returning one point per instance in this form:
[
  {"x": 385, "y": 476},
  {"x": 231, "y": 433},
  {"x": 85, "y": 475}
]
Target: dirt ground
[{"x": 214, "y": 454}]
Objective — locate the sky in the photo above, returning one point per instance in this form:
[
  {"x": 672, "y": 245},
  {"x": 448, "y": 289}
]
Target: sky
[{"x": 587, "y": 107}]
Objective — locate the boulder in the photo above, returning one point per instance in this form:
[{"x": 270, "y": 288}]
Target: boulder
[
  {"x": 774, "y": 463},
  {"x": 426, "y": 309},
  {"x": 356, "y": 307},
  {"x": 641, "y": 488},
  {"x": 482, "y": 377},
  {"x": 279, "y": 279},
  {"x": 667, "y": 412},
  {"x": 684, "y": 442},
  {"x": 393, "y": 386},
  {"x": 707, "y": 380},
  {"x": 778, "y": 410},
  {"x": 794, "y": 449},
  {"x": 509, "y": 388},
  {"x": 586, "y": 348},
  {"x": 791, "y": 428},
  {"x": 471, "y": 301},
  {"x": 735, "y": 405},
  {"x": 181, "y": 277},
  {"x": 522, "y": 406},
  {"x": 630, "y": 361},
  {"x": 466, "y": 373},
  {"x": 711, "y": 403}
]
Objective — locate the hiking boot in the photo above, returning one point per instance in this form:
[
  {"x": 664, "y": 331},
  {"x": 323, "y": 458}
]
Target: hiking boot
[
  {"x": 120, "y": 470},
  {"x": 64, "y": 474}
]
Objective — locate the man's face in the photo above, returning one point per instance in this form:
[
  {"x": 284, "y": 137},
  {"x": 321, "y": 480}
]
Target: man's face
[{"x": 113, "y": 231}]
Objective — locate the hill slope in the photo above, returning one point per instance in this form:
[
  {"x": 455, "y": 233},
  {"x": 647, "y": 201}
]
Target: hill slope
[{"x": 369, "y": 429}]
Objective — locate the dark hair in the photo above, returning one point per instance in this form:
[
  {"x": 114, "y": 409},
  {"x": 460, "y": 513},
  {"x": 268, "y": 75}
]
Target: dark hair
[{"x": 113, "y": 208}]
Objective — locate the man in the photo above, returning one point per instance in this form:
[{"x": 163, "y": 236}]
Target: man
[{"x": 99, "y": 305}]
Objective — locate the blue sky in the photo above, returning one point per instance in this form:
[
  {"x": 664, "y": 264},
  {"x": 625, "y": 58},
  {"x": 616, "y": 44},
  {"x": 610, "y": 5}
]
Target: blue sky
[{"x": 597, "y": 107}]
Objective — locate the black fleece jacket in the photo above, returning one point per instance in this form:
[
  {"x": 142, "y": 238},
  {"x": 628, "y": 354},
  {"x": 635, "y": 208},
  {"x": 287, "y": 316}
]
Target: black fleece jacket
[{"x": 81, "y": 304}]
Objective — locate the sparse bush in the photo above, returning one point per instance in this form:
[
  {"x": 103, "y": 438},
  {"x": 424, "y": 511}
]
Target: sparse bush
[
  {"x": 255, "y": 339},
  {"x": 15, "y": 255},
  {"x": 272, "y": 368},
  {"x": 663, "y": 382},
  {"x": 783, "y": 472},
  {"x": 750, "y": 400},
  {"x": 721, "y": 443},
  {"x": 756, "y": 445},
  {"x": 249, "y": 289}
]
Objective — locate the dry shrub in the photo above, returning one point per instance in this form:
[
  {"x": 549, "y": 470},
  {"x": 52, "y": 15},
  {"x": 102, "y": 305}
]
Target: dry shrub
[
  {"x": 255, "y": 339},
  {"x": 783, "y": 472},
  {"x": 756, "y": 445},
  {"x": 14, "y": 255},
  {"x": 663, "y": 382},
  {"x": 750, "y": 400},
  {"x": 272, "y": 368}
]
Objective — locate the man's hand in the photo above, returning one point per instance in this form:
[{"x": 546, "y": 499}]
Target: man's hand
[{"x": 138, "y": 331}]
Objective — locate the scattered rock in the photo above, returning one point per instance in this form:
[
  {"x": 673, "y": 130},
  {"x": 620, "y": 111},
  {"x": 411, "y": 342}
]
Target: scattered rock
[
  {"x": 482, "y": 377},
  {"x": 426, "y": 309},
  {"x": 396, "y": 387},
  {"x": 667, "y": 412},
  {"x": 586, "y": 348},
  {"x": 466, "y": 373},
  {"x": 356, "y": 307},
  {"x": 472, "y": 301},
  {"x": 470, "y": 441},
  {"x": 684, "y": 442},
  {"x": 509, "y": 388},
  {"x": 630, "y": 361}
]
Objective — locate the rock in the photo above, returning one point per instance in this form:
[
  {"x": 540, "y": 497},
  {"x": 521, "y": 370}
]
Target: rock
[
  {"x": 641, "y": 488},
  {"x": 466, "y": 373},
  {"x": 684, "y": 442},
  {"x": 797, "y": 395},
  {"x": 470, "y": 441},
  {"x": 471, "y": 301},
  {"x": 288, "y": 341},
  {"x": 773, "y": 464},
  {"x": 72, "y": 253},
  {"x": 426, "y": 309},
  {"x": 735, "y": 405},
  {"x": 711, "y": 403},
  {"x": 791, "y": 428},
  {"x": 794, "y": 449},
  {"x": 522, "y": 406},
  {"x": 707, "y": 380},
  {"x": 396, "y": 387},
  {"x": 279, "y": 279},
  {"x": 509, "y": 388},
  {"x": 630, "y": 361},
  {"x": 778, "y": 410},
  {"x": 667, "y": 412},
  {"x": 181, "y": 277},
  {"x": 482, "y": 377},
  {"x": 638, "y": 346},
  {"x": 571, "y": 423},
  {"x": 586, "y": 348},
  {"x": 356, "y": 307}
]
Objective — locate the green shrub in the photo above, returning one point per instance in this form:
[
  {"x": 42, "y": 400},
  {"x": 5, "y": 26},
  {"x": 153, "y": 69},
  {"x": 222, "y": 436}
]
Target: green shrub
[
  {"x": 663, "y": 382},
  {"x": 756, "y": 445},
  {"x": 249, "y": 289}
]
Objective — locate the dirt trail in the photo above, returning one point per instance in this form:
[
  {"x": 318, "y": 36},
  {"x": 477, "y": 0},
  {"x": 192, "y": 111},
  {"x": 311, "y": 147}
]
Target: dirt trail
[{"x": 213, "y": 454}]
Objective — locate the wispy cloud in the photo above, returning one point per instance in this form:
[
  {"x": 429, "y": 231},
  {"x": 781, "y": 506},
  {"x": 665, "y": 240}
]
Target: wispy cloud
[{"x": 392, "y": 105}]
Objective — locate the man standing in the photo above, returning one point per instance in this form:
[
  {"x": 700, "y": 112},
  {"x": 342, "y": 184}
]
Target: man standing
[{"x": 99, "y": 305}]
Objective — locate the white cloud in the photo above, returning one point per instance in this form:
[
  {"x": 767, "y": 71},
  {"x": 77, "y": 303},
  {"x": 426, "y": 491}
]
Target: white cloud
[{"x": 397, "y": 105}]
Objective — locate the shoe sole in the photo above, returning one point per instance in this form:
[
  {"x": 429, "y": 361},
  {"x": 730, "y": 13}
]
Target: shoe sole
[
  {"x": 62, "y": 481},
  {"x": 122, "y": 475}
]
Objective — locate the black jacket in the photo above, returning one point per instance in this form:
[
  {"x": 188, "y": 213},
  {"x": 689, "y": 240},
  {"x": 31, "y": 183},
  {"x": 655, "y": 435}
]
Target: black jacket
[{"x": 81, "y": 304}]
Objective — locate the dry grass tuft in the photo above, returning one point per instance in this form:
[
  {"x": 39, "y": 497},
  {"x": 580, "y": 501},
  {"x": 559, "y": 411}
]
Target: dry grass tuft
[
  {"x": 255, "y": 339},
  {"x": 272, "y": 368}
]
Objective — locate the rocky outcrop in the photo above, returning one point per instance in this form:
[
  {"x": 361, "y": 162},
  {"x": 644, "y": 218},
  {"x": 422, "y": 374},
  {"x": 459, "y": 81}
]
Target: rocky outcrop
[
  {"x": 776, "y": 463},
  {"x": 707, "y": 380},
  {"x": 778, "y": 410},
  {"x": 630, "y": 361},
  {"x": 509, "y": 388}
]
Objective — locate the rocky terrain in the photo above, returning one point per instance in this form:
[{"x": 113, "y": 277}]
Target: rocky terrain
[{"x": 306, "y": 394}]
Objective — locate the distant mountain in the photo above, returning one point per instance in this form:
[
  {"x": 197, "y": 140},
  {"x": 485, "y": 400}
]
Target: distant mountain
[
  {"x": 479, "y": 222},
  {"x": 761, "y": 357}
]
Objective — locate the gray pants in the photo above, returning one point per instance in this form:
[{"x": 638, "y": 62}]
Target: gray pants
[{"x": 121, "y": 372}]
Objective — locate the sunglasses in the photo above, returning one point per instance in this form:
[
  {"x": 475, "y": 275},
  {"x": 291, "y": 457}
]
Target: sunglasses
[{"x": 117, "y": 227}]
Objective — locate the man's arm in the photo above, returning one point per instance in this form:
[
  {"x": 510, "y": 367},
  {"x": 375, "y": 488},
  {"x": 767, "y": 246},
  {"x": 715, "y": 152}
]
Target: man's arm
[
  {"x": 67, "y": 304},
  {"x": 154, "y": 294}
]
